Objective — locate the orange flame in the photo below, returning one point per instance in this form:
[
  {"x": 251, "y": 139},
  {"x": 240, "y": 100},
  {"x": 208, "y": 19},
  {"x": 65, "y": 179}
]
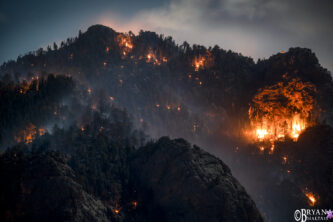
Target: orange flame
[
  {"x": 201, "y": 61},
  {"x": 311, "y": 198},
  {"x": 125, "y": 43},
  {"x": 29, "y": 134},
  {"x": 282, "y": 110}
]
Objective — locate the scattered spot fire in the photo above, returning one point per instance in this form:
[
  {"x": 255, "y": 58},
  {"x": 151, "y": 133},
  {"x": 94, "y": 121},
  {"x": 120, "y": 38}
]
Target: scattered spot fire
[
  {"x": 201, "y": 61},
  {"x": 312, "y": 198},
  {"x": 156, "y": 60},
  {"x": 29, "y": 134},
  {"x": 281, "y": 111}
]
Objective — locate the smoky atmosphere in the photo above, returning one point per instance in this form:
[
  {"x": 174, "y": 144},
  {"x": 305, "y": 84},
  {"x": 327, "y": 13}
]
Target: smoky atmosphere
[{"x": 188, "y": 110}]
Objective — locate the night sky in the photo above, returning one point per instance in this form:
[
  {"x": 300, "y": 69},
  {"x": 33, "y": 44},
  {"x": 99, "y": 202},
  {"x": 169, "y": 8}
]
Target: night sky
[{"x": 256, "y": 28}]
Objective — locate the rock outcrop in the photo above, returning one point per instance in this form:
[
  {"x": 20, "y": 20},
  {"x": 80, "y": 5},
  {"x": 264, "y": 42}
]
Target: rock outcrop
[
  {"x": 168, "y": 181},
  {"x": 189, "y": 184},
  {"x": 41, "y": 187}
]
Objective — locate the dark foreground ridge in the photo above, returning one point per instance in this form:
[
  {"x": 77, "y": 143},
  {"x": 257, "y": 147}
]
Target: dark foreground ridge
[
  {"x": 190, "y": 184},
  {"x": 171, "y": 180}
]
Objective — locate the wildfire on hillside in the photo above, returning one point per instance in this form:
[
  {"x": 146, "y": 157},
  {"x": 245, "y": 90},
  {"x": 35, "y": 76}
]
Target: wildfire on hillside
[{"x": 281, "y": 110}]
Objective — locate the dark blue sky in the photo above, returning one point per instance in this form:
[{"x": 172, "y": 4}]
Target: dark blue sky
[{"x": 256, "y": 28}]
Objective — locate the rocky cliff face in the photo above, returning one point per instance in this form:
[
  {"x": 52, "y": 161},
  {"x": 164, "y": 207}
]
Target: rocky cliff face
[
  {"x": 189, "y": 184},
  {"x": 172, "y": 181},
  {"x": 42, "y": 187}
]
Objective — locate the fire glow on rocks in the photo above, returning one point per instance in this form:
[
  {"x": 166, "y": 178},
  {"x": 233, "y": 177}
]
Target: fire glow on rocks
[{"x": 282, "y": 110}]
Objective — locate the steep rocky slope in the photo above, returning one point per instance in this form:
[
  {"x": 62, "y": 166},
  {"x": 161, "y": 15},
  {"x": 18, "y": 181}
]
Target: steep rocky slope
[
  {"x": 172, "y": 181},
  {"x": 189, "y": 184},
  {"x": 42, "y": 187}
]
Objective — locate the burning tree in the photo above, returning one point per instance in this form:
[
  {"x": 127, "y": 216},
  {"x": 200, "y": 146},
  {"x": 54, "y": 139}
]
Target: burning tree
[
  {"x": 201, "y": 61},
  {"x": 125, "y": 43},
  {"x": 282, "y": 110}
]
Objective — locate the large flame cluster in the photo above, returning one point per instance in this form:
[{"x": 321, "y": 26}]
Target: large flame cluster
[{"x": 282, "y": 110}]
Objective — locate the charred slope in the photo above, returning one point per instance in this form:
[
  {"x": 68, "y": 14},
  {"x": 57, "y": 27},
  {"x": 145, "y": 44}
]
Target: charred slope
[
  {"x": 189, "y": 184},
  {"x": 306, "y": 171},
  {"x": 314, "y": 149},
  {"x": 42, "y": 187},
  {"x": 171, "y": 182}
]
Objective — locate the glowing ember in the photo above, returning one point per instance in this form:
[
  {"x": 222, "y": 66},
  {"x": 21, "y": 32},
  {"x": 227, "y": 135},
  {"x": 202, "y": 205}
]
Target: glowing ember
[
  {"x": 116, "y": 211},
  {"x": 312, "y": 199},
  {"x": 29, "y": 138},
  {"x": 272, "y": 148},
  {"x": 151, "y": 57},
  {"x": 202, "y": 61},
  {"x": 25, "y": 87},
  {"x": 282, "y": 110},
  {"x": 89, "y": 90},
  {"x": 29, "y": 134},
  {"x": 125, "y": 43},
  {"x": 107, "y": 49},
  {"x": 41, "y": 131},
  {"x": 199, "y": 63}
]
